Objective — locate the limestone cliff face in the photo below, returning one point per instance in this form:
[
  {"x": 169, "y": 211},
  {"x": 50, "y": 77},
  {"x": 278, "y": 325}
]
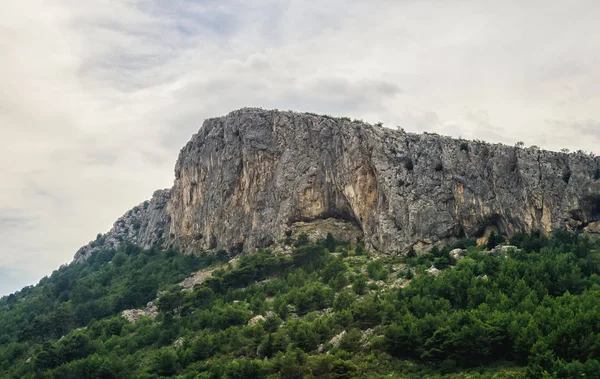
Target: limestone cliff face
[{"x": 246, "y": 177}]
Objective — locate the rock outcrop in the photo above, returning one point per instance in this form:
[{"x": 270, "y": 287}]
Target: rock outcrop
[
  {"x": 245, "y": 178},
  {"x": 458, "y": 254},
  {"x": 317, "y": 230},
  {"x": 145, "y": 225},
  {"x": 134, "y": 315}
]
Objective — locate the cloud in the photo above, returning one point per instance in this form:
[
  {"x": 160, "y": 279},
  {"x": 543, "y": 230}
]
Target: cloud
[
  {"x": 588, "y": 127},
  {"x": 570, "y": 134},
  {"x": 99, "y": 96},
  {"x": 11, "y": 220}
]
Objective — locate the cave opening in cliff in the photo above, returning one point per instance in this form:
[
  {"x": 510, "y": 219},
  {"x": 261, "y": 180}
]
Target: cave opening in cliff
[
  {"x": 490, "y": 223},
  {"x": 343, "y": 214},
  {"x": 591, "y": 204}
]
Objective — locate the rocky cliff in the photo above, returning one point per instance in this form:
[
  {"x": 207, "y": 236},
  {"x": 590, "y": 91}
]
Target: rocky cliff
[
  {"x": 146, "y": 225},
  {"x": 245, "y": 178}
]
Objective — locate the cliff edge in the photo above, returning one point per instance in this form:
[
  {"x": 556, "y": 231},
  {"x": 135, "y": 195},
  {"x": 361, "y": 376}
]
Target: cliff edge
[{"x": 245, "y": 178}]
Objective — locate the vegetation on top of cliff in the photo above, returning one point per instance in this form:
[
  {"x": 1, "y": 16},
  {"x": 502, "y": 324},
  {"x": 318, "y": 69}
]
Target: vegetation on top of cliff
[
  {"x": 462, "y": 141},
  {"x": 325, "y": 310},
  {"x": 346, "y": 119}
]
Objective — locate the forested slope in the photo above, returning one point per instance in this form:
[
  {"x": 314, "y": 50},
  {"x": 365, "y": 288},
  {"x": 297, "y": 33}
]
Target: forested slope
[{"x": 324, "y": 310}]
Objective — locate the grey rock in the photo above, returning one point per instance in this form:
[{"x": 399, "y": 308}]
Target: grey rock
[
  {"x": 244, "y": 179},
  {"x": 152, "y": 309},
  {"x": 134, "y": 315},
  {"x": 434, "y": 271},
  {"x": 145, "y": 225},
  {"x": 457, "y": 254},
  {"x": 337, "y": 339},
  {"x": 197, "y": 278},
  {"x": 317, "y": 230},
  {"x": 256, "y": 319},
  {"x": 503, "y": 250},
  {"x": 366, "y": 335}
]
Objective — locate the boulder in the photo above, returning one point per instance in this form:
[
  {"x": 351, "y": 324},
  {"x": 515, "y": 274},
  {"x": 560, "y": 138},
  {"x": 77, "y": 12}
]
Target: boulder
[
  {"x": 458, "y": 254},
  {"x": 256, "y": 319},
  {"x": 434, "y": 271}
]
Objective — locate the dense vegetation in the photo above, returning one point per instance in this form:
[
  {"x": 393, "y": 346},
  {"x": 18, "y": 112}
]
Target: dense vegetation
[
  {"x": 327, "y": 310},
  {"x": 73, "y": 295}
]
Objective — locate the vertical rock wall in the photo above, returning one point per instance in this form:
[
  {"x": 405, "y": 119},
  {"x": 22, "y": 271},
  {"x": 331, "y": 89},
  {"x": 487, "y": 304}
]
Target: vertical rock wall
[{"x": 244, "y": 178}]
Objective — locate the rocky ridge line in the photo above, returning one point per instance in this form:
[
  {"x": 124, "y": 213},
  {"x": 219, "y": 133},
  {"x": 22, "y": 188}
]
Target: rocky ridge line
[{"x": 244, "y": 179}]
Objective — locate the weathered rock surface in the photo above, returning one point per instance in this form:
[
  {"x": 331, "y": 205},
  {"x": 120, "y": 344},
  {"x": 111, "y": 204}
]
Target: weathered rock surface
[
  {"x": 336, "y": 340},
  {"x": 245, "y": 178},
  {"x": 317, "y": 230},
  {"x": 434, "y": 271},
  {"x": 503, "y": 250},
  {"x": 457, "y": 254},
  {"x": 134, "y": 315},
  {"x": 200, "y": 277},
  {"x": 256, "y": 319},
  {"x": 146, "y": 225}
]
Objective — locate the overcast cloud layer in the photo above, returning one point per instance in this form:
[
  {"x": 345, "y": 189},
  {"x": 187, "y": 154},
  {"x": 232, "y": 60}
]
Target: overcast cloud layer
[{"x": 98, "y": 96}]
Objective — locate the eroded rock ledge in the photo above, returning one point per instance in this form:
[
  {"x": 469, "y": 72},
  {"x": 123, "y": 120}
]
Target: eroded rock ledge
[{"x": 245, "y": 178}]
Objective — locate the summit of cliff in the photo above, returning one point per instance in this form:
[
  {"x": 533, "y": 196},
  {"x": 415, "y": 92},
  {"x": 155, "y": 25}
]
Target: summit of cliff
[{"x": 246, "y": 178}]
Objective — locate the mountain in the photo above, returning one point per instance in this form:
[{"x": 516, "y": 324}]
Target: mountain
[
  {"x": 291, "y": 223},
  {"x": 245, "y": 179}
]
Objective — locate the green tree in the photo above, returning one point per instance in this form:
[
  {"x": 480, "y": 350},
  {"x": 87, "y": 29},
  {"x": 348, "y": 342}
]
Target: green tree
[
  {"x": 164, "y": 362},
  {"x": 171, "y": 301},
  {"x": 351, "y": 341},
  {"x": 330, "y": 243},
  {"x": 359, "y": 285}
]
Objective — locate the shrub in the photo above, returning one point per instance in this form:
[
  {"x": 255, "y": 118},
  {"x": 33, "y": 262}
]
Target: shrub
[
  {"x": 360, "y": 248},
  {"x": 360, "y": 285},
  {"x": 377, "y": 271},
  {"x": 351, "y": 341},
  {"x": 302, "y": 240},
  {"x": 330, "y": 243},
  {"x": 164, "y": 362}
]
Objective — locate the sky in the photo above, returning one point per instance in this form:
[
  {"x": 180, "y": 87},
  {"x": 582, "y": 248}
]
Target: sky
[{"x": 99, "y": 96}]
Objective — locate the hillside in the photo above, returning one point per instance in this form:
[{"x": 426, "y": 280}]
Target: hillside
[{"x": 315, "y": 310}]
